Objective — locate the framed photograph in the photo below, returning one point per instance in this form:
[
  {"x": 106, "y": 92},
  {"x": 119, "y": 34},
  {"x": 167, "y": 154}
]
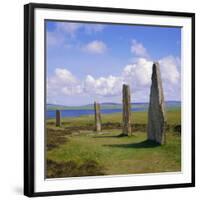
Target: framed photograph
[{"x": 108, "y": 99}]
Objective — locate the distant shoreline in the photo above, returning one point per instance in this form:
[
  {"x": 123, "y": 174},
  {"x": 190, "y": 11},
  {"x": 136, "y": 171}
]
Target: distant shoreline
[
  {"x": 50, "y": 114},
  {"x": 108, "y": 106}
]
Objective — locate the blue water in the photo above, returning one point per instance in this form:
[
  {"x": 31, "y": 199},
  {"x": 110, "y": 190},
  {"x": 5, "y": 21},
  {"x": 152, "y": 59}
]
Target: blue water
[{"x": 77, "y": 113}]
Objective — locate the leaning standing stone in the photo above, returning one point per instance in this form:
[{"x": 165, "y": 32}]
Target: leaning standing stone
[
  {"x": 97, "y": 117},
  {"x": 126, "y": 110},
  {"x": 156, "y": 113},
  {"x": 58, "y": 118}
]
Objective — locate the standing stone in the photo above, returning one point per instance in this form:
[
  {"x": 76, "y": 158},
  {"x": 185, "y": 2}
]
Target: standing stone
[
  {"x": 156, "y": 113},
  {"x": 97, "y": 117},
  {"x": 126, "y": 110},
  {"x": 58, "y": 118}
]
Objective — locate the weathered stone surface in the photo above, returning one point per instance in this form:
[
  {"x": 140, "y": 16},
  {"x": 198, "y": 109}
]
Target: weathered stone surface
[
  {"x": 58, "y": 118},
  {"x": 97, "y": 117},
  {"x": 126, "y": 110},
  {"x": 156, "y": 113}
]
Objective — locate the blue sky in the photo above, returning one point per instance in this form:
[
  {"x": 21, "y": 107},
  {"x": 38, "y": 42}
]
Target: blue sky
[{"x": 90, "y": 61}]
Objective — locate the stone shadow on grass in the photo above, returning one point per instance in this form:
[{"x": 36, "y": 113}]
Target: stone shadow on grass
[
  {"x": 143, "y": 144},
  {"x": 111, "y": 136}
]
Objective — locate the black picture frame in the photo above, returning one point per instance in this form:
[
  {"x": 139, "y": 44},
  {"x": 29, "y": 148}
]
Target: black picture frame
[{"x": 29, "y": 96}]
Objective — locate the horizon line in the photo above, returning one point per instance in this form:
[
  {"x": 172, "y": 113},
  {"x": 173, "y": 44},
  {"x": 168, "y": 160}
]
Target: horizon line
[{"x": 105, "y": 103}]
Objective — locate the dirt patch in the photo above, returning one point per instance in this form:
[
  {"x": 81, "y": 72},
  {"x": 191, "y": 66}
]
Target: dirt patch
[
  {"x": 73, "y": 169},
  {"x": 54, "y": 138}
]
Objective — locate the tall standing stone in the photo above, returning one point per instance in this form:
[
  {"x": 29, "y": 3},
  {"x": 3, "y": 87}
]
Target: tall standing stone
[
  {"x": 58, "y": 118},
  {"x": 126, "y": 110},
  {"x": 156, "y": 113},
  {"x": 97, "y": 117}
]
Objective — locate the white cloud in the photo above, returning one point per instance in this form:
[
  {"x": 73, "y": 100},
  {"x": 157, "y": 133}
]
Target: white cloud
[
  {"x": 54, "y": 38},
  {"x": 69, "y": 28},
  {"x": 64, "y": 31},
  {"x": 72, "y": 28},
  {"x": 96, "y": 47},
  {"x": 62, "y": 82},
  {"x": 93, "y": 28},
  {"x": 138, "y": 49},
  {"x": 137, "y": 75},
  {"x": 62, "y": 76},
  {"x": 169, "y": 69},
  {"x": 76, "y": 89},
  {"x": 103, "y": 86},
  {"x": 171, "y": 77}
]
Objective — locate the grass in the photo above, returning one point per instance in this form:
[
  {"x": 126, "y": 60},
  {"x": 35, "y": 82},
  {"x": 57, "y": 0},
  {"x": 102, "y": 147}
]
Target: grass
[
  {"x": 80, "y": 151},
  {"x": 173, "y": 117}
]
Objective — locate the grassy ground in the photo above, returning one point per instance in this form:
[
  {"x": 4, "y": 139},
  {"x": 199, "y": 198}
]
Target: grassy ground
[
  {"x": 173, "y": 118},
  {"x": 76, "y": 150}
]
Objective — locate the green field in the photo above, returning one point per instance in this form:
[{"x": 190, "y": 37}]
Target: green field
[{"x": 76, "y": 150}]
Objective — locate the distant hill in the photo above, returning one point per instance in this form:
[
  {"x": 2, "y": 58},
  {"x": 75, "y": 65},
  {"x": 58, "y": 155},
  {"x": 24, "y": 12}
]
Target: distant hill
[{"x": 110, "y": 105}]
